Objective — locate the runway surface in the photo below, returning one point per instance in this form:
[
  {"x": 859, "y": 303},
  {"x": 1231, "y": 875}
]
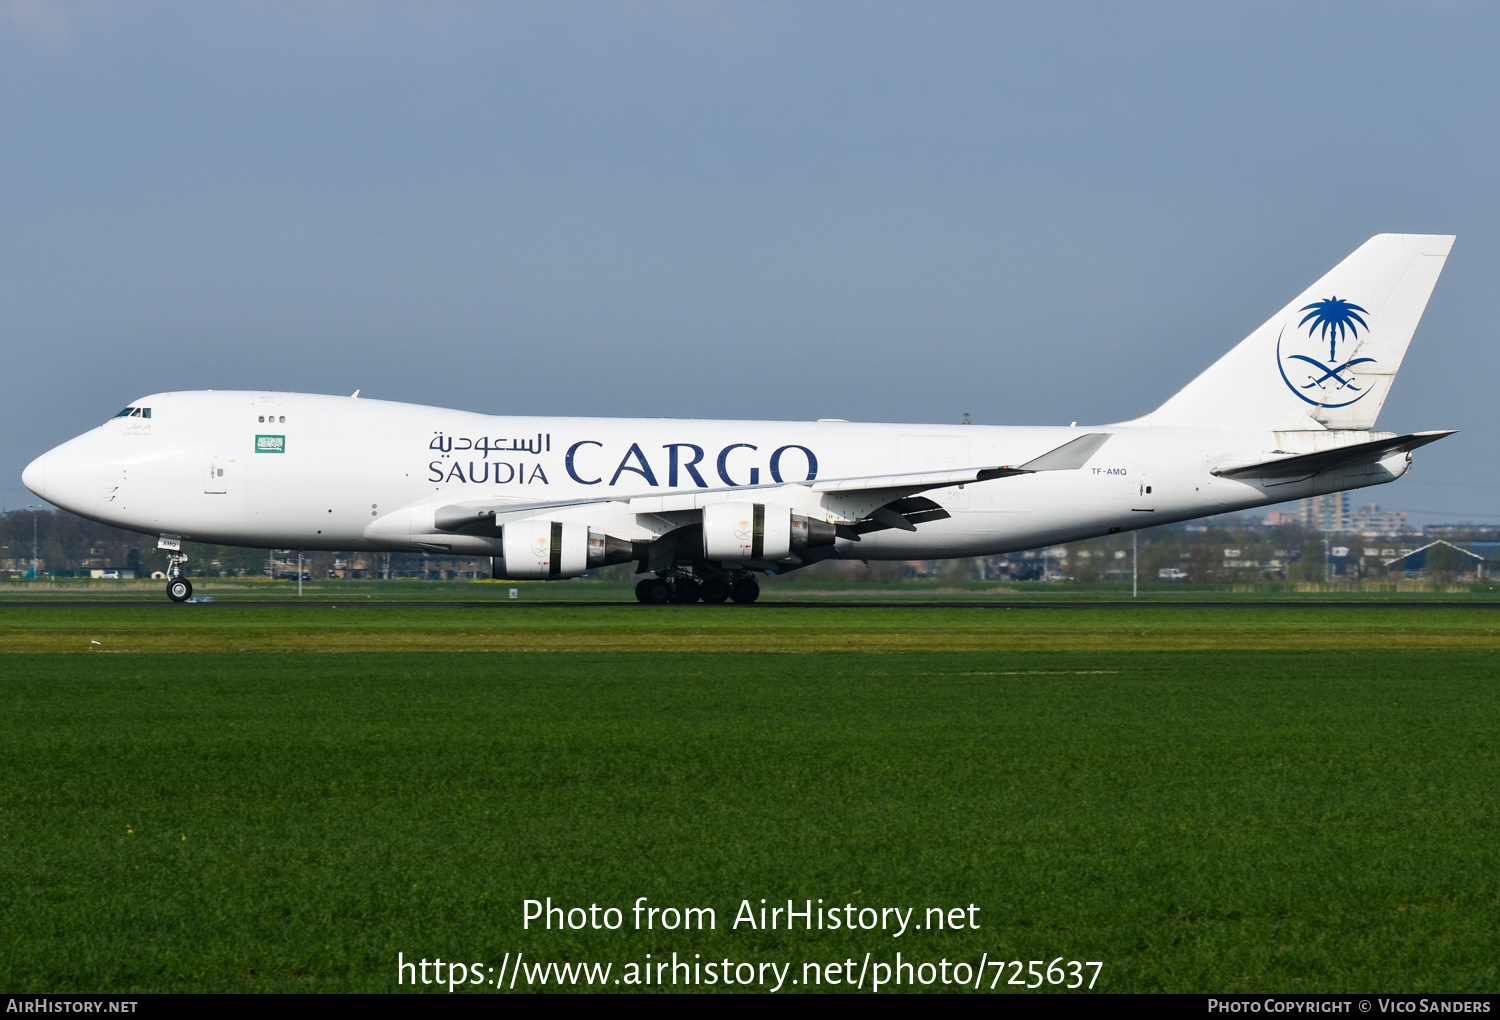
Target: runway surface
[{"x": 730, "y": 607}]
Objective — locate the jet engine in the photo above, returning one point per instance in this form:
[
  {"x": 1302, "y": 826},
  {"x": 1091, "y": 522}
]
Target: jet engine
[
  {"x": 540, "y": 549},
  {"x": 759, "y": 531}
]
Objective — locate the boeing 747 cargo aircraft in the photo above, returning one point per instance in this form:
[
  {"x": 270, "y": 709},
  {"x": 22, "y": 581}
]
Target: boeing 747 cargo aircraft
[{"x": 703, "y": 507}]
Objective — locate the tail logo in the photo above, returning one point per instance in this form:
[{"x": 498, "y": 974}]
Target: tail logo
[{"x": 1331, "y": 321}]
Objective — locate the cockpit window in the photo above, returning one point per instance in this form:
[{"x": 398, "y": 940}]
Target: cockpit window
[
  {"x": 126, "y": 413},
  {"x": 135, "y": 412}
]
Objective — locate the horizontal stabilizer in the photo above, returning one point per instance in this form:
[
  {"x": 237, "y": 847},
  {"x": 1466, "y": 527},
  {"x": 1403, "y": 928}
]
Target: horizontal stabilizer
[{"x": 1301, "y": 465}]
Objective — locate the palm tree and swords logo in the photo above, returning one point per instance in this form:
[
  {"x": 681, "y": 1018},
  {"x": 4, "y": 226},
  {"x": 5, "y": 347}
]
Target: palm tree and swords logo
[{"x": 1333, "y": 320}]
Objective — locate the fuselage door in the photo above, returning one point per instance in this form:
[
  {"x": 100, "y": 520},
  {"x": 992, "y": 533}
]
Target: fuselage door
[
  {"x": 216, "y": 480},
  {"x": 1142, "y": 490}
]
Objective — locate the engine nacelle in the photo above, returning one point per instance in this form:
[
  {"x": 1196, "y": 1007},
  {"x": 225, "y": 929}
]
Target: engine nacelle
[
  {"x": 541, "y": 549},
  {"x": 759, "y": 531}
]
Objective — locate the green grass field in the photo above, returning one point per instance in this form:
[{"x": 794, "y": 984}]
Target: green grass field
[
  {"x": 795, "y": 587},
  {"x": 219, "y": 798}
]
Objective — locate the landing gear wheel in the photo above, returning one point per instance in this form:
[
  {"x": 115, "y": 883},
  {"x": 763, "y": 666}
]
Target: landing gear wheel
[
  {"x": 179, "y": 589},
  {"x": 685, "y": 591},
  {"x": 745, "y": 590},
  {"x": 714, "y": 592},
  {"x": 654, "y": 591}
]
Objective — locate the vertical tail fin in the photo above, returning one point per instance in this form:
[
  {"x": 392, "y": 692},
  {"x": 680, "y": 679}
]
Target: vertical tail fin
[{"x": 1328, "y": 359}]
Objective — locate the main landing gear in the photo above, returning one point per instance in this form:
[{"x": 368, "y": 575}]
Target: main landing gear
[
  {"x": 179, "y": 588},
  {"x": 684, "y": 589},
  {"x": 654, "y": 591}
]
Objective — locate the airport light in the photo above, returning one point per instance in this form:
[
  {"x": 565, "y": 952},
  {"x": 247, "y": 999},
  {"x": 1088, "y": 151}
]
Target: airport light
[{"x": 36, "y": 509}]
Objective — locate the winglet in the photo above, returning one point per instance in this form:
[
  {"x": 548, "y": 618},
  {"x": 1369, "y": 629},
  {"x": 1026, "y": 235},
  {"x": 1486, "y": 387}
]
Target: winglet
[{"x": 1070, "y": 456}]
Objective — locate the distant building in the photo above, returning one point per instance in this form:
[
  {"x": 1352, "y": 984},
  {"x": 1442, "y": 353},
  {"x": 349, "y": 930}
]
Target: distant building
[
  {"x": 1373, "y": 522},
  {"x": 1437, "y": 557},
  {"x": 1332, "y": 513},
  {"x": 1324, "y": 513},
  {"x": 1481, "y": 532}
]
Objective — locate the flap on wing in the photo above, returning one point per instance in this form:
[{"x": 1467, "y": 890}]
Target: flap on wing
[
  {"x": 1324, "y": 460},
  {"x": 915, "y": 480}
]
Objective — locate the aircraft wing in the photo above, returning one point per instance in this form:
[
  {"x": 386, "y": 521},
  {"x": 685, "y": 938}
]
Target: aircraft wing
[
  {"x": 857, "y": 498},
  {"x": 1303, "y": 465},
  {"x": 853, "y": 499}
]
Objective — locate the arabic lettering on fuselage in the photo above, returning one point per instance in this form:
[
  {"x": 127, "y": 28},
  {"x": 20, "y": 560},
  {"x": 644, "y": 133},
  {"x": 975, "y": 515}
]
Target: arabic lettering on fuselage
[
  {"x": 446, "y": 445},
  {"x": 591, "y": 462}
]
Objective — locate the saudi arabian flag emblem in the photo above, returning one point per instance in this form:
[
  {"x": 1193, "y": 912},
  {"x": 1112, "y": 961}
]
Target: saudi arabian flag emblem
[{"x": 270, "y": 444}]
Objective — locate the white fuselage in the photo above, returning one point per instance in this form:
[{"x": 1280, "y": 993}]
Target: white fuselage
[{"x": 308, "y": 471}]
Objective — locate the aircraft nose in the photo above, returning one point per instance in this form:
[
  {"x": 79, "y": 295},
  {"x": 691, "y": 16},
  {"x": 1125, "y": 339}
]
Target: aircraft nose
[
  {"x": 69, "y": 476},
  {"x": 35, "y": 476}
]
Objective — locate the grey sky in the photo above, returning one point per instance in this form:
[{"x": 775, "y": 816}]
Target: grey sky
[{"x": 1034, "y": 213}]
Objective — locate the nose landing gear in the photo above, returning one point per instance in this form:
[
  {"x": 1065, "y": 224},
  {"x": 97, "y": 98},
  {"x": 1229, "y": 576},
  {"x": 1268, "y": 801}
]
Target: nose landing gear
[{"x": 179, "y": 588}]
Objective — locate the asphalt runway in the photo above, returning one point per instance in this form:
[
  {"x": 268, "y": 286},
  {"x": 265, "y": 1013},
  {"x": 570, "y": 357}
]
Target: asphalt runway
[{"x": 505, "y": 604}]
